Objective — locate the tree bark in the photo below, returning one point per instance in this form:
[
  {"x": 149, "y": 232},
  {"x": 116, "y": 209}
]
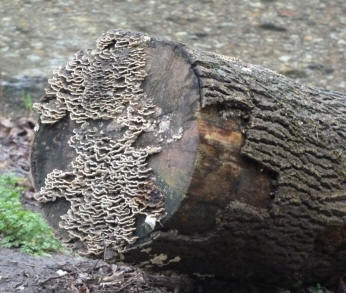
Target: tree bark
[{"x": 238, "y": 172}]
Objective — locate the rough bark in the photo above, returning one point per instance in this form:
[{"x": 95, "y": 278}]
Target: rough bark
[{"x": 251, "y": 170}]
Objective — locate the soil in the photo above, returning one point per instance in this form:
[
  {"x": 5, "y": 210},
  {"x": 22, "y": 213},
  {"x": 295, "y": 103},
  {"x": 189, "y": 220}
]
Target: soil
[{"x": 63, "y": 273}]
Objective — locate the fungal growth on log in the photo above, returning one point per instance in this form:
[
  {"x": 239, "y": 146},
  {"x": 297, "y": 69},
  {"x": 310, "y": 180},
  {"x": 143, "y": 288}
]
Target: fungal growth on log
[
  {"x": 167, "y": 157},
  {"x": 108, "y": 183}
]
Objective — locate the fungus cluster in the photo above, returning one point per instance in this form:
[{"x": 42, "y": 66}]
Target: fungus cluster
[{"x": 109, "y": 182}]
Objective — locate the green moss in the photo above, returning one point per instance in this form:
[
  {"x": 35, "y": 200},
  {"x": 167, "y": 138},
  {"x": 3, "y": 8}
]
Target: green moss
[
  {"x": 19, "y": 227},
  {"x": 317, "y": 289},
  {"x": 27, "y": 101}
]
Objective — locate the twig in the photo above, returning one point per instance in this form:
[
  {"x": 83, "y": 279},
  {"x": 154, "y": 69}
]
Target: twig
[
  {"x": 125, "y": 285},
  {"x": 55, "y": 277},
  {"x": 17, "y": 262}
]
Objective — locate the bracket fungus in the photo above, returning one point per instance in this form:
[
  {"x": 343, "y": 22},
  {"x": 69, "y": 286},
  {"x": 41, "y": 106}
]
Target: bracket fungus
[{"x": 108, "y": 183}]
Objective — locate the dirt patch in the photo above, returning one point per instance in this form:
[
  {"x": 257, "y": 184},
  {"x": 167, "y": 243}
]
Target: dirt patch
[{"x": 62, "y": 273}]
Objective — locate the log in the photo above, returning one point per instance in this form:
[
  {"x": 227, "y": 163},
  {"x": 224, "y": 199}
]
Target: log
[{"x": 156, "y": 154}]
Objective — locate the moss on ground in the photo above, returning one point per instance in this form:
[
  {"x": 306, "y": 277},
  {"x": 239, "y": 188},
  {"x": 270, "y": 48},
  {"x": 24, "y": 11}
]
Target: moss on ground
[{"x": 21, "y": 228}]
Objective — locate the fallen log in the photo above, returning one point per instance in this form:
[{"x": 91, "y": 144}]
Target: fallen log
[{"x": 163, "y": 156}]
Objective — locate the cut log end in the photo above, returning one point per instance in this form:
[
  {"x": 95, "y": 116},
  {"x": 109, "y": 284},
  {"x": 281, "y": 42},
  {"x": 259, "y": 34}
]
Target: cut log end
[
  {"x": 171, "y": 158},
  {"x": 141, "y": 155}
]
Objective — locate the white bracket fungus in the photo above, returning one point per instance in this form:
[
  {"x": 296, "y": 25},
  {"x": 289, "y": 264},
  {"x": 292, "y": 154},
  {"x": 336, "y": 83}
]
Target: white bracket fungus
[{"x": 108, "y": 183}]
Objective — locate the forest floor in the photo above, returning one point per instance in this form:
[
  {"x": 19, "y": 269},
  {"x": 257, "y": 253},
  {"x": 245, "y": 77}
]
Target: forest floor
[{"x": 65, "y": 273}]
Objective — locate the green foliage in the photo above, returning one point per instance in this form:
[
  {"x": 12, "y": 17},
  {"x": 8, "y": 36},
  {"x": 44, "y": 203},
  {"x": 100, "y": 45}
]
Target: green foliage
[
  {"x": 22, "y": 228},
  {"x": 317, "y": 289},
  {"x": 27, "y": 101}
]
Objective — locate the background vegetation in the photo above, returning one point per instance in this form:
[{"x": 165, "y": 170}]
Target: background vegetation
[{"x": 19, "y": 227}]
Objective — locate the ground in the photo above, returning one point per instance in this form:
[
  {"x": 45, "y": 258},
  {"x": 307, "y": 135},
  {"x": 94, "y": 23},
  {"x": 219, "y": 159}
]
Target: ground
[{"x": 63, "y": 273}]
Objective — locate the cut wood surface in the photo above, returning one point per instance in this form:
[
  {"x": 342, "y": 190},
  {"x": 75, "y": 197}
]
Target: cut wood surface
[{"x": 156, "y": 154}]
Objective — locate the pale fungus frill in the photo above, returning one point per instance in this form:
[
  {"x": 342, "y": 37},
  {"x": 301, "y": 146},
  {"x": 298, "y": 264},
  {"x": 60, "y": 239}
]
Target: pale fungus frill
[{"x": 109, "y": 182}]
